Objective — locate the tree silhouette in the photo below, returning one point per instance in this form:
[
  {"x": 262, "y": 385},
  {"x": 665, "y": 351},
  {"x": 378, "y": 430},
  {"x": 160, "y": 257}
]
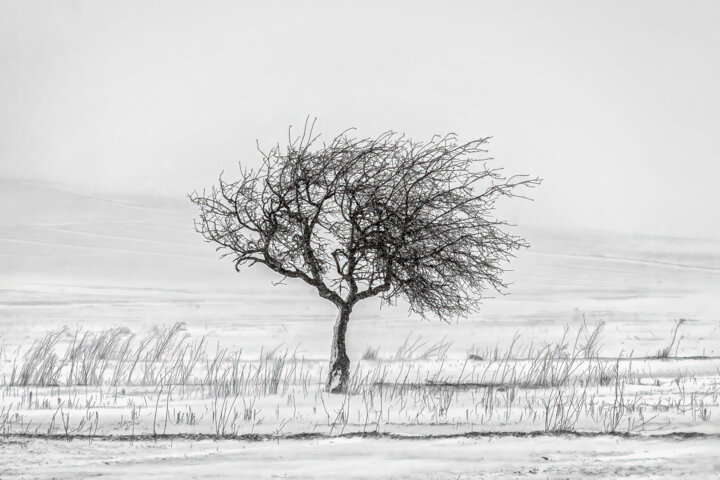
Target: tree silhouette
[{"x": 358, "y": 218}]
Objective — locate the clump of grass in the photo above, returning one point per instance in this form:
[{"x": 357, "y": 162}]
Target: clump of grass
[
  {"x": 40, "y": 365},
  {"x": 184, "y": 360},
  {"x": 562, "y": 408},
  {"x": 165, "y": 345},
  {"x": 554, "y": 364},
  {"x": 417, "y": 349},
  {"x": 225, "y": 374},
  {"x": 164, "y": 356},
  {"x": 272, "y": 381},
  {"x": 551, "y": 364},
  {"x": 90, "y": 357},
  {"x": 665, "y": 352},
  {"x": 591, "y": 347},
  {"x": 371, "y": 353}
]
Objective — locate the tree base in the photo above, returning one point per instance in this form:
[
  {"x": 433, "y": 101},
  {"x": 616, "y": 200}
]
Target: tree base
[
  {"x": 339, "y": 371},
  {"x": 338, "y": 376}
]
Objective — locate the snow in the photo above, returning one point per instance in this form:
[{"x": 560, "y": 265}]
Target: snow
[
  {"x": 553, "y": 457},
  {"x": 94, "y": 263}
]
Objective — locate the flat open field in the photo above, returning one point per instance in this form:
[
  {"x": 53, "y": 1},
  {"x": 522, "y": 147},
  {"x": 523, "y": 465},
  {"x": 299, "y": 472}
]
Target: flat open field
[
  {"x": 552, "y": 457},
  {"x": 125, "y": 346}
]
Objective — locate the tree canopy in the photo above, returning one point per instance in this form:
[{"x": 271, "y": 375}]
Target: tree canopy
[{"x": 357, "y": 218}]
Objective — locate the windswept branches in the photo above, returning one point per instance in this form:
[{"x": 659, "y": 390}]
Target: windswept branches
[{"x": 358, "y": 218}]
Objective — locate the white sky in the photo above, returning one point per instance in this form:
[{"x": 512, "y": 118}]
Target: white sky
[{"x": 615, "y": 104}]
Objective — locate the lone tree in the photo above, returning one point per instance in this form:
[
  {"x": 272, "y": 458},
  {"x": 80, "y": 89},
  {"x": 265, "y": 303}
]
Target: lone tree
[{"x": 359, "y": 218}]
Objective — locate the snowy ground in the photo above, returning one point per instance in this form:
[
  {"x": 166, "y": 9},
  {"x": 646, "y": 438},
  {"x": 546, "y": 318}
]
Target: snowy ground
[
  {"x": 94, "y": 264},
  {"x": 552, "y": 457}
]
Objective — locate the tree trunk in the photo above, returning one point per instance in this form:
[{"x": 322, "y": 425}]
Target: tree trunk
[{"x": 339, "y": 371}]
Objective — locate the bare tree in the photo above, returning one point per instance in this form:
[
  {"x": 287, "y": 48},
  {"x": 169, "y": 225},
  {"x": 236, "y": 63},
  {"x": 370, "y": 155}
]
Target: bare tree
[{"x": 358, "y": 218}]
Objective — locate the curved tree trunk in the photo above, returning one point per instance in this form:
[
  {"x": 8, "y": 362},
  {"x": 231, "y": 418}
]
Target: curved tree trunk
[{"x": 339, "y": 371}]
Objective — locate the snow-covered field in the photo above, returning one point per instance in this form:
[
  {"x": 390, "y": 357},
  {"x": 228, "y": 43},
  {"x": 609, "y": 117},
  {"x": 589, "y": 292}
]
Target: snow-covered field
[
  {"x": 554, "y": 457},
  {"x": 103, "y": 281}
]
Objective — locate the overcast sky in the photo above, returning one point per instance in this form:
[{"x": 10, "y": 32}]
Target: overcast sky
[{"x": 615, "y": 104}]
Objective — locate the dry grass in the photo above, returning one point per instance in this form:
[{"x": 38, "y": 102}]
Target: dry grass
[
  {"x": 182, "y": 383},
  {"x": 665, "y": 352}
]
